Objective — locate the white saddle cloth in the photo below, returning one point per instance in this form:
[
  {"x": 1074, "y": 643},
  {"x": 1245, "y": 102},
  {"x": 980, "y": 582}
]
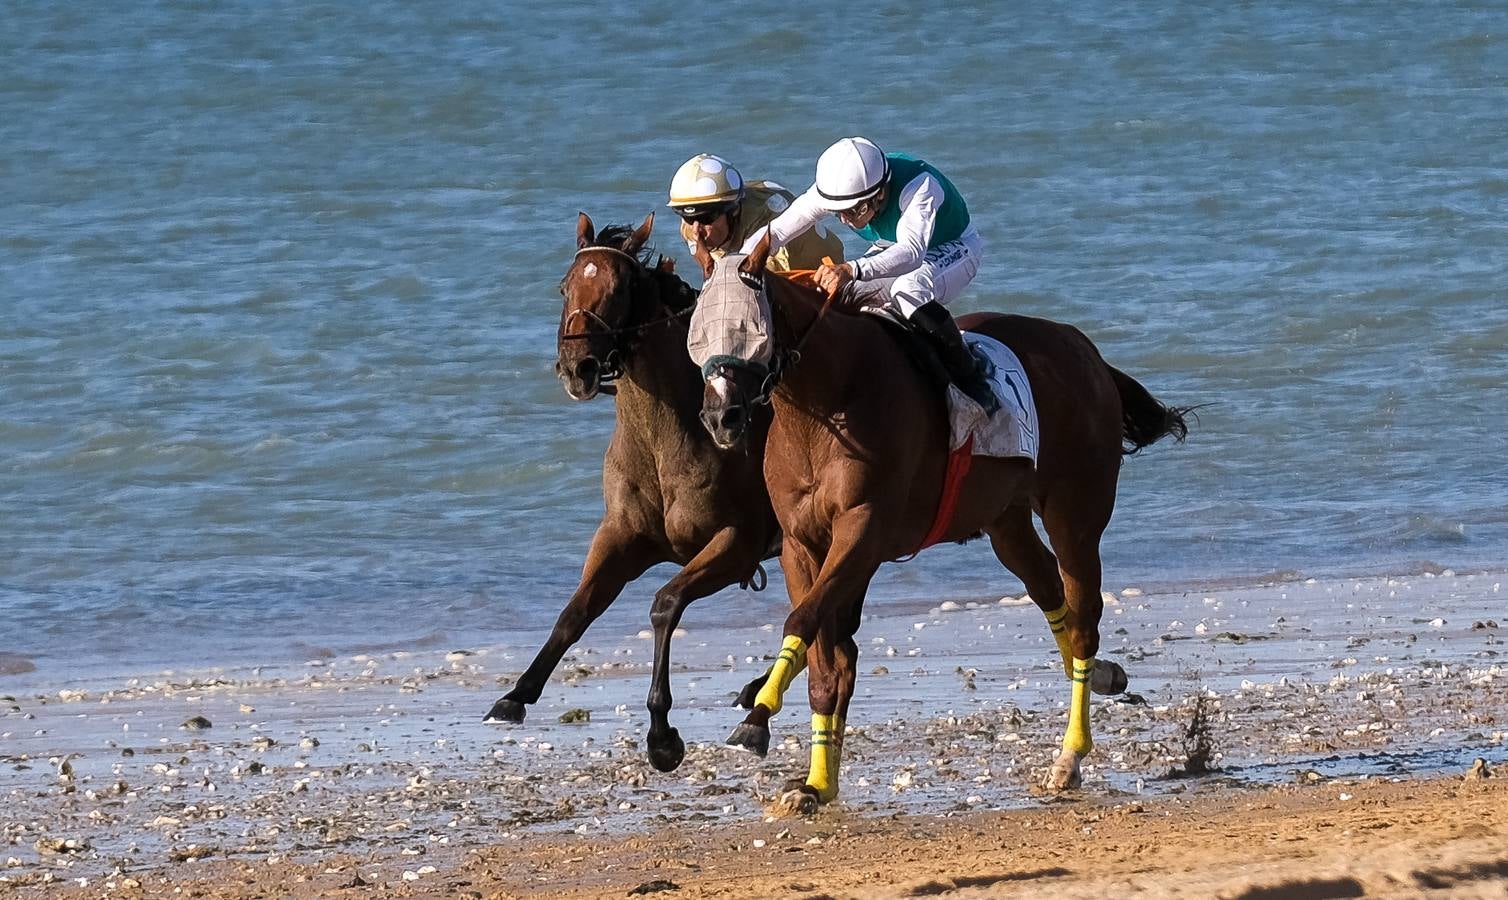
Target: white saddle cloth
[{"x": 1012, "y": 430}]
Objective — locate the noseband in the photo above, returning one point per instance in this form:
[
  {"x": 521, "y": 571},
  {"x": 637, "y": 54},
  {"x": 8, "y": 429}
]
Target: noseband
[{"x": 612, "y": 364}]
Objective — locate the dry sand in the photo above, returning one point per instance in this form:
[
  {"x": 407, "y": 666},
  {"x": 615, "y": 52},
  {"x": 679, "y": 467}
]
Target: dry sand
[{"x": 1343, "y": 716}]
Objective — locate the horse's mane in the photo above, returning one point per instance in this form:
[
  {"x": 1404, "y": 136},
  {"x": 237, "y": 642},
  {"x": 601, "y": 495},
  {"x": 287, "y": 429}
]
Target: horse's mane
[
  {"x": 615, "y": 236},
  {"x": 680, "y": 296}
]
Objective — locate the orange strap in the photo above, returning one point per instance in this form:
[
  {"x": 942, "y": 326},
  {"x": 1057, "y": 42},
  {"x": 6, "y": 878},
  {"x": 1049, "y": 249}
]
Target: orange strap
[{"x": 805, "y": 277}]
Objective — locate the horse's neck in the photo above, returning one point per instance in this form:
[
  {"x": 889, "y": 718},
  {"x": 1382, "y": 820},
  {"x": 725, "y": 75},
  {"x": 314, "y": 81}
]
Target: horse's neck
[
  {"x": 836, "y": 349},
  {"x": 660, "y": 388}
]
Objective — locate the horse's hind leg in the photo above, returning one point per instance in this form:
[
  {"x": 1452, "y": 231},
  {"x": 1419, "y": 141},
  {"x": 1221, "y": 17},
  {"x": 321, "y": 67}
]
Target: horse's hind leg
[
  {"x": 729, "y": 556},
  {"x": 617, "y": 556},
  {"x": 1075, "y": 518},
  {"x": 1020, "y": 549}
]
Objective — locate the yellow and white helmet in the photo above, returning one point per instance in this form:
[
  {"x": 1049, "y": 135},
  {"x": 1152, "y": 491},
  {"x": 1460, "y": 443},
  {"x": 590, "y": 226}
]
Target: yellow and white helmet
[{"x": 704, "y": 184}]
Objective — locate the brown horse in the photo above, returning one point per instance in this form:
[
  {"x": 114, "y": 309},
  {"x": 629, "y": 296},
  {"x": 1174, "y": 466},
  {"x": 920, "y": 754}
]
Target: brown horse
[
  {"x": 855, "y": 461},
  {"x": 671, "y": 495}
]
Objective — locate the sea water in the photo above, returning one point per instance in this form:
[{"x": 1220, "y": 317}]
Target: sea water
[{"x": 278, "y": 308}]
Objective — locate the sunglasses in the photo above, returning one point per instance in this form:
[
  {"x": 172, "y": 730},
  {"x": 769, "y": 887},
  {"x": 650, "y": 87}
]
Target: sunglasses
[{"x": 702, "y": 216}]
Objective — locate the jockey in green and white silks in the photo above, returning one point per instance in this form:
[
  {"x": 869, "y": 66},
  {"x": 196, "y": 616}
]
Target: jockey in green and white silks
[{"x": 924, "y": 249}]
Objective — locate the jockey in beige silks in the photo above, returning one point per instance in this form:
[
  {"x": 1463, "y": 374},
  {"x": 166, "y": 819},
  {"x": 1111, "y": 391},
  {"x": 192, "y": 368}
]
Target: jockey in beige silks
[{"x": 719, "y": 211}]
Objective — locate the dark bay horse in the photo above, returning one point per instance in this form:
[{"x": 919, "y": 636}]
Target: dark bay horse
[
  {"x": 670, "y": 494},
  {"x": 855, "y": 460}
]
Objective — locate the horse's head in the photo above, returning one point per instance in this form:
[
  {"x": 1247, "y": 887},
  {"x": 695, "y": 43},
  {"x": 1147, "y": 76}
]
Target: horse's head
[
  {"x": 732, "y": 339},
  {"x": 600, "y": 315}
]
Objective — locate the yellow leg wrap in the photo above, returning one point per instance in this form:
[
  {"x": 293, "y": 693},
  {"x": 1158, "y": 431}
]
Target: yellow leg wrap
[
  {"x": 1077, "y": 737},
  {"x": 800, "y": 667},
  {"x": 792, "y": 659},
  {"x": 1055, "y": 621},
  {"x": 827, "y": 753}
]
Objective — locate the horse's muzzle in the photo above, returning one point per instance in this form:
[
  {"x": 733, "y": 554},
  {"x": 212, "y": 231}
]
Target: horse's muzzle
[
  {"x": 582, "y": 378},
  {"x": 727, "y": 425}
]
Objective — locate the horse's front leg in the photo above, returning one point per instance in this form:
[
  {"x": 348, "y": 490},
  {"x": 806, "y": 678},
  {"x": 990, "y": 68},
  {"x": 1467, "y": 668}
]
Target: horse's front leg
[
  {"x": 762, "y": 696},
  {"x": 836, "y": 593},
  {"x": 618, "y": 555},
  {"x": 728, "y": 557}
]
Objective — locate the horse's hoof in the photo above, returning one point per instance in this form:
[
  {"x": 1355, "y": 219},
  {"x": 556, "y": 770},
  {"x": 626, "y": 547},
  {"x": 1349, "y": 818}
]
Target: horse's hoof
[
  {"x": 1108, "y": 678},
  {"x": 666, "y": 753},
  {"x": 505, "y": 710},
  {"x": 753, "y": 738},
  {"x": 751, "y": 690},
  {"x": 1064, "y": 774},
  {"x": 797, "y": 801}
]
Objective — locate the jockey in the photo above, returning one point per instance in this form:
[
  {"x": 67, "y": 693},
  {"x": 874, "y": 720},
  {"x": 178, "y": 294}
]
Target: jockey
[
  {"x": 924, "y": 251},
  {"x": 719, "y": 211}
]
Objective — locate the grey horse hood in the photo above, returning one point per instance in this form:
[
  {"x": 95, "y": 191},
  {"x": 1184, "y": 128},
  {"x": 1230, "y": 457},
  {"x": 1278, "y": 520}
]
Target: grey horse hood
[{"x": 732, "y": 320}]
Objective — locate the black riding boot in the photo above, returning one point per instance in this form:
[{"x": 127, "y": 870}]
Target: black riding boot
[{"x": 968, "y": 371}]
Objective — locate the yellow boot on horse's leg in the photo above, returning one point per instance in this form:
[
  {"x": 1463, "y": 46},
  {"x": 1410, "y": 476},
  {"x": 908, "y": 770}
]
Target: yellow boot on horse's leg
[
  {"x": 822, "y": 780},
  {"x": 827, "y": 755},
  {"x": 1077, "y": 743},
  {"x": 791, "y": 661},
  {"x": 1056, "y": 621},
  {"x": 1108, "y": 678},
  {"x": 753, "y": 733},
  {"x": 749, "y": 695}
]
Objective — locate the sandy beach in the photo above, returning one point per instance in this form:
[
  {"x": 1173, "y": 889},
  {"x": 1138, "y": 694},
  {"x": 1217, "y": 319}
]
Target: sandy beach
[{"x": 1341, "y": 721}]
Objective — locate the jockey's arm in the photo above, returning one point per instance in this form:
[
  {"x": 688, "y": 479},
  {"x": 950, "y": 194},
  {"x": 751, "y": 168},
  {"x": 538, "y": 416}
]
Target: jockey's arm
[
  {"x": 795, "y": 221},
  {"x": 919, "y": 202}
]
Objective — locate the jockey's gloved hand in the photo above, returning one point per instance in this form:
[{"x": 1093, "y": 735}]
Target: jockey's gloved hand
[{"x": 832, "y": 278}]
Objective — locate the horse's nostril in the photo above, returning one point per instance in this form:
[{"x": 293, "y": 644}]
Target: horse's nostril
[
  {"x": 586, "y": 369},
  {"x": 733, "y": 417}
]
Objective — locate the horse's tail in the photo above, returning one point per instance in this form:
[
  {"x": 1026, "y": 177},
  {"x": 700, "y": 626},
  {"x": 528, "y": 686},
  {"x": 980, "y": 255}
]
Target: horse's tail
[{"x": 1144, "y": 420}]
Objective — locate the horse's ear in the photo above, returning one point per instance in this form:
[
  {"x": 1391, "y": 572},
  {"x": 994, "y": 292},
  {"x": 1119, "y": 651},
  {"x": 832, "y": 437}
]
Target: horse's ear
[
  {"x": 666, "y": 265},
  {"x": 758, "y": 257},
  {"x": 640, "y": 236},
  {"x": 584, "y": 232}
]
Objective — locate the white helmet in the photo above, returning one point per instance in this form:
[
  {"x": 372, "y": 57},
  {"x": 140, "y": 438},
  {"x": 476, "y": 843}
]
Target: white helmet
[
  {"x": 850, "y": 171},
  {"x": 705, "y": 183}
]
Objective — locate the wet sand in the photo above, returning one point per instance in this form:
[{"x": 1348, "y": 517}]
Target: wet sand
[{"x": 1339, "y": 713}]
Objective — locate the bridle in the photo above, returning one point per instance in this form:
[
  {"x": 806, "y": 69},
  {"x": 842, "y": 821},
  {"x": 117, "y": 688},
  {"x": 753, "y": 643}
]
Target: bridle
[
  {"x": 783, "y": 359},
  {"x": 612, "y": 364}
]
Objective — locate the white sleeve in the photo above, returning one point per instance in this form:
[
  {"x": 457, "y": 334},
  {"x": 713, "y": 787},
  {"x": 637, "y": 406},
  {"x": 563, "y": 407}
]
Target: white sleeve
[
  {"x": 919, "y": 202},
  {"x": 798, "y": 218}
]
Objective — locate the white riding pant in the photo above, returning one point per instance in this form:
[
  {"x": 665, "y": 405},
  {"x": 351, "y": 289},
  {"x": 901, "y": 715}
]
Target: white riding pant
[{"x": 945, "y": 272}]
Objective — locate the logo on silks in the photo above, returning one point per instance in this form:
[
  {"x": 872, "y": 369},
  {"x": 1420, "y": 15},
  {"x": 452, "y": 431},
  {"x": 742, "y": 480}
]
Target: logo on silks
[{"x": 731, "y": 324}]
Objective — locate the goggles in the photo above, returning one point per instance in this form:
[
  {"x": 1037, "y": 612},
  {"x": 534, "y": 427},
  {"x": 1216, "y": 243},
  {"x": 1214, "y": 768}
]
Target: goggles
[{"x": 703, "y": 215}]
